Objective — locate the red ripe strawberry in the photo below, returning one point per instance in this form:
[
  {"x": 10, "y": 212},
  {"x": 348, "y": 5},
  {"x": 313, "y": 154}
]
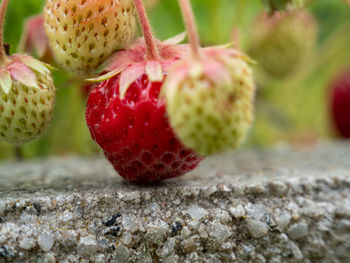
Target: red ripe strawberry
[
  {"x": 134, "y": 132},
  {"x": 127, "y": 118},
  {"x": 340, "y": 103}
]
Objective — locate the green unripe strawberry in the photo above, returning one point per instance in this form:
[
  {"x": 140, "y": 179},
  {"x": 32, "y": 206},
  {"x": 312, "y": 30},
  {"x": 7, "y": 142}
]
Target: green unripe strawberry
[
  {"x": 27, "y": 95},
  {"x": 281, "y": 42},
  {"x": 83, "y": 33},
  {"x": 210, "y": 100}
]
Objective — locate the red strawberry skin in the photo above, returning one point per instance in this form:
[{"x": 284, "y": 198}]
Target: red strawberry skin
[
  {"x": 134, "y": 132},
  {"x": 340, "y": 103}
]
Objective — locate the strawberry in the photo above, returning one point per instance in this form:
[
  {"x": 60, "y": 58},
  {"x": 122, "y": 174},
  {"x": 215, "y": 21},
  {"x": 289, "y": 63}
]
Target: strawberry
[
  {"x": 210, "y": 100},
  {"x": 34, "y": 39},
  {"x": 281, "y": 42},
  {"x": 83, "y": 33},
  {"x": 128, "y": 120},
  {"x": 340, "y": 103},
  {"x": 27, "y": 95},
  {"x": 209, "y": 95}
]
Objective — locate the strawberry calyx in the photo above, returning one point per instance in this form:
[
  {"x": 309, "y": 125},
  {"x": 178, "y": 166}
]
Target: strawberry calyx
[
  {"x": 133, "y": 62},
  {"x": 213, "y": 63},
  {"x": 21, "y": 69}
]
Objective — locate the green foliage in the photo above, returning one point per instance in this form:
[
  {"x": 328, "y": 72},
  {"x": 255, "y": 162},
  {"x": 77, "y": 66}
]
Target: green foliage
[{"x": 294, "y": 109}]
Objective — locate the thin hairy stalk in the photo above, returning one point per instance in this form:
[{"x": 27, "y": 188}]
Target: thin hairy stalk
[
  {"x": 190, "y": 23},
  {"x": 152, "y": 52},
  {"x": 3, "y": 9}
]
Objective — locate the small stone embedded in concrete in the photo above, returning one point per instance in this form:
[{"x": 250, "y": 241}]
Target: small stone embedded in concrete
[
  {"x": 27, "y": 243},
  {"x": 295, "y": 251},
  {"x": 156, "y": 231},
  {"x": 45, "y": 241},
  {"x": 283, "y": 219},
  {"x": 126, "y": 238},
  {"x": 129, "y": 224},
  {"x": 168, "y": 247},
  {"x": 88, "y": 244},
  {"x": 100, "y": 258},
  {"x": 256, "y": 211},
  {"x": 172, "y": 259},
  {"x": 257, "y": 228},
  {"x": 237, "y": 211},
  {"x": 122, "y": 254},
  {"x": 278, "y": 187},
  {"x": 133, "y": 196},
  {"x": 197, "y": 212},
  {"x": 49, "y": 258},
  {"x": 298, "y": 230},
  {"x": 219, "y": 232}
]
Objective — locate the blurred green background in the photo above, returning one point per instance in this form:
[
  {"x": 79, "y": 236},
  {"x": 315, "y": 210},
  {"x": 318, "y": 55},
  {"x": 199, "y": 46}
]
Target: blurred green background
[{"x": 293, "y": 110}]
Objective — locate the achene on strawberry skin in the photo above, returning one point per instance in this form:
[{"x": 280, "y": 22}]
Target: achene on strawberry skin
[{"x": 134, "y": 131}]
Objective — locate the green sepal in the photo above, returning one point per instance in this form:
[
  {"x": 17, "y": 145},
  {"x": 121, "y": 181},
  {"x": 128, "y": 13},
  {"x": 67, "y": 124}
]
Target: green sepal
[{"x": 5, "y": 81}]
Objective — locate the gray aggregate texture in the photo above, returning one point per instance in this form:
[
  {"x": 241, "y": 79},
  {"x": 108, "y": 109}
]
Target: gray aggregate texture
[{"x": 281, "y": 205}]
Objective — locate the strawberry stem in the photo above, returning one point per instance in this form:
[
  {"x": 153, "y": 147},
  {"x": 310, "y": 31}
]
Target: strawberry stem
[
  {"x": 3, "y": 9},
  {"x": 191, "y": 27},
  {"x": 152, "y": 52}
]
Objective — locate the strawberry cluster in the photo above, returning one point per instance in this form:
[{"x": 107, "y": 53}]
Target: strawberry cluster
[{"x": 155, "y": 108}]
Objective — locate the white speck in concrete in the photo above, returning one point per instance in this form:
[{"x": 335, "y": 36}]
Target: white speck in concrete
[
  {"x": 100, "y": 258},
  {"x": 256, "y": 211},
  {"x": 122, "y": 254},
  {"x": 129, "y": 224},
  {"x": 177, "y": 201},
  {"x": 126, "y": 238},
  {"x": 295, "y": 251},
  {"x": 168, "y": 247},
  {"x": 49, "y": 258},
  {"x": 283, "y": 219},
  {"x": 298, "y": 230},
  {"x": 219, "y": 232},
  {"x": 45, "y": 241},
  {"x": 257, "y": 228},
  {"x": 133, "y": 196},
  {"x": 197, "y": 212},
  {"x": 88, "y": 244},
  {"x": 172, "y": 259},
  {"x": 27, "y": 243},
  {"x": 237, "y": 211}
]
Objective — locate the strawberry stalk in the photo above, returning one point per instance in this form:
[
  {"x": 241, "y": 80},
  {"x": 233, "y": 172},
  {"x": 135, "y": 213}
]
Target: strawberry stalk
[
  {"x": 191, "y": 27},
  {"x": 3, "y": 8},
  {"x": 152, "y": 53}
]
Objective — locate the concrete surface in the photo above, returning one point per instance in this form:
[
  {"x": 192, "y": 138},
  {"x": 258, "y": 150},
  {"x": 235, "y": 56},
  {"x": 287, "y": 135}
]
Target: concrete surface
[{"x": 272, "y": 206}]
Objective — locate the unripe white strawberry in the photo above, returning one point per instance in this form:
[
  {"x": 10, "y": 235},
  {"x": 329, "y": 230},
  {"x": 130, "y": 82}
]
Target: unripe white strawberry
[
  {"x": 27, "y": 95},
  {"x": 210, "y": 100},
  {"x": 83, "y": 33}
]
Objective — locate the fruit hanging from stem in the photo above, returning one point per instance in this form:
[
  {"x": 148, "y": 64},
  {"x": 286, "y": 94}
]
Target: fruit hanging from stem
[
  {"x": 281, "y": 42},
  {"x": 209, "y": 95},
  {"x": 84, "y": 33},
  {"x": 27, "y": 94},
  {"x": 127, "y": 118}
]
